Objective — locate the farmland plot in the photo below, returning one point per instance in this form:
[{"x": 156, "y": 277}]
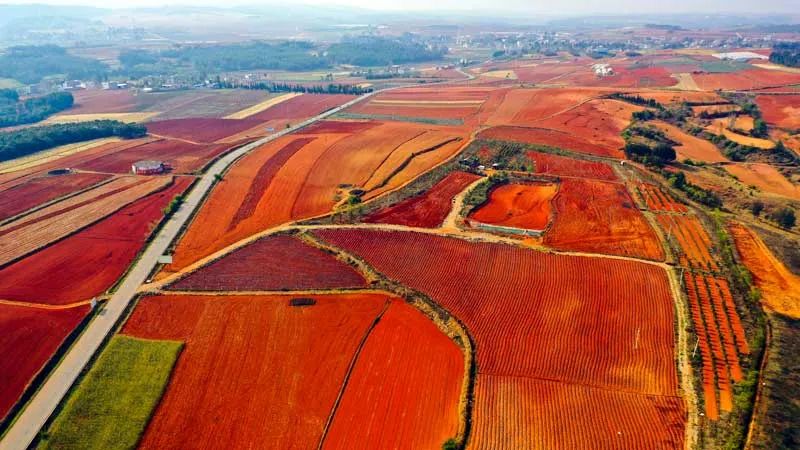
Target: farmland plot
[
  {"x": 38, "y": 191},
  {"x": 518, "y": 206},
  {"x": 254, "y": 369},
  {"x": 90, "y": 261},
  {"x": 600, "y": 325},
  {"x": 30, "y": 337}
]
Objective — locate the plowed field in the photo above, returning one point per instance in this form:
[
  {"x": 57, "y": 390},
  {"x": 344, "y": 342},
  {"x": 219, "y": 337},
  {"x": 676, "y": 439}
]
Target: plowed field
[
  {"x": 87, "y": 263},
  {"x": 780, "y": 110},
  {"x": 550, "y": 138},
  {"x": 398, "y": 396},
  {"x": 429, "y": 209},
  {"x": 780, "y": 288},
  {"x": 600, "y": 217},
  {"x": 254, "y": 370},
  {"x": 29, "y": 338},
  {"x": 542, "y": 414},
  {"x": 41, "y": 190},
  {"x": 561, "y": 166},
  {"x": 766, "y": 178},
  {"x": 302, "y": 175},
  {"x": 201, "y": 130},
  {"x": 518, "y": 206},
  {"x": 57, "y": 221},
  {"x": 273, "y": 263},
  {"x": 579, "y": 321}
]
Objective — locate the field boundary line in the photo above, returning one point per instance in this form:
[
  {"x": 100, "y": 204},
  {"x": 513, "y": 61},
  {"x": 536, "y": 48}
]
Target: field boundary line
[
  {"x": 45, "y": 306},
  {"x": 575, "y": 383},
  {"x": 350, "y": 369},
  {"x": 276, "y": 292}
]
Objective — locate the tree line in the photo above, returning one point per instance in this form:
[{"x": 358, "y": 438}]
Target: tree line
[
  {"x": 286, "y": 87},
  {"x": 14, "y": 112},
  {"x": 786, "y": 53},
  {"x": 15, "y": 144}
]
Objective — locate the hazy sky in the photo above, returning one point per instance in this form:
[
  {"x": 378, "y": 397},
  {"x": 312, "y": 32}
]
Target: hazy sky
[{"x": 609, "y": 7}]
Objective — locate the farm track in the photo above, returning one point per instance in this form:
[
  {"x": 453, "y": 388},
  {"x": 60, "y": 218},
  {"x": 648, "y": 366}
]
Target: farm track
[{"x": 44, "y": 305}]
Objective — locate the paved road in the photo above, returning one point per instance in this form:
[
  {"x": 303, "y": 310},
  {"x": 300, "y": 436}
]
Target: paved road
[{"x": 44, "y": 402}]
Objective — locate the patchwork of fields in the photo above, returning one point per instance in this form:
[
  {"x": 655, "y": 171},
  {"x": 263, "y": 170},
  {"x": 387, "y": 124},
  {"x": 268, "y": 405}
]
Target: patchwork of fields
[{"x": 474, "y": 263}]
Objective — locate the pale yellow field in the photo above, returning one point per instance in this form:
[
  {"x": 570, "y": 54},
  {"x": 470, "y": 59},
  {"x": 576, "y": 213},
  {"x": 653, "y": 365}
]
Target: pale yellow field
[
  {"x": 685, "y": 82},
  {"x": 52, "y": 154},
  {"x": 778, "y": 67},
  {"x": 691, "y": 147},
  {"x": 720, "y": 128},
  {"x": 266, "y": 104},
  {"x": 122, "y": 117},
  {"x": 507, "y": 74}
]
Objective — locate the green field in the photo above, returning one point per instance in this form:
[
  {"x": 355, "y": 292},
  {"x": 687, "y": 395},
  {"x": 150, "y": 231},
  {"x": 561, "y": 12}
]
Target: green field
[
  {"x": 724, "y": 66},
  {"x": 111, "y": 406}
]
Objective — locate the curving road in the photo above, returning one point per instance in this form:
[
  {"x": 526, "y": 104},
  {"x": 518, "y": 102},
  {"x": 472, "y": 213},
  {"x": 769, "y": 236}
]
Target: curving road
[{"x": 44, "y": 402}]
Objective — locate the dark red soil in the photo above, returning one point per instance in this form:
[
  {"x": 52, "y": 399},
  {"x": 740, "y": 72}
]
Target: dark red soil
[{"x": 273, "y": 263}]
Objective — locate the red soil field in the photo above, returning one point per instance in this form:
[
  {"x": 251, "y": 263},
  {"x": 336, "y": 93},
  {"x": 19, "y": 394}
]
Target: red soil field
[
  {"x": 536, "y": 314},
  {"x": 658, "y": 200},
  {"x": 527, "y": 107},
  {"x": 745, "y": 79},
  {"x": 543, "y": 414},
  {"x": 38, "y": 191},
  {"x": 180, "y": 156},
  {"x": 201, "y": 130},
  {"x": 254, "y": 369},
  {"x": 599, "y": 121},
  {"x": 624, "y": 77},
  {"x": 600, "y": 217},
  {"x": 552, "y": 138},
  {"x": 273, "y": 263},
  {"x": 568, "y": 319},
  {"x": 429, "y": 209},
  {"x": 562, "y": 166},
  {"x": 30, "y": 337},
  {"x": 780, "y": 110},
  {"x": 518, "y": 206},
  {"x": 301, "y": 107},
  {"x": 97, "y": 101},
  {"x": 278, "y": 183},
  {"x": 398, "y": 396},
  {"x": 668, "y": 97},
  {"x": 693, "y": 240},
  {"x": 87, "y": 263},
  {"x": 416, "y": 110}
]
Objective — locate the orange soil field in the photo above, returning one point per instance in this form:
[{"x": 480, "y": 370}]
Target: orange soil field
[
  {"x": 599, "y": 121},
  {"x": 691, "y": 147},
  {"x": 518, "y": 206},
  {"x": 428, "y": 209},
  {"x": 780, "y": 288},
  {"x": 552, "y": 72},
  {"x": 57, "y": 221},
  {"x": 600, "y": 217},
  {"x": 720, "y": 334},
  {"x": 694, "y": 242},
  {"x": 254, "y": 370},
  {"x": 543, "y": 414},
  {"x": 562, "y": 166},
  {"x": 40, "y": 190},
  {"x": 720, "y": 128},
  {"x": 551, "y": 138},
  {"x": 29, "y": 339},
  {"x": 623, "y": 77},
  {"x": 780, "y": 110},
  {"x": 766, "y": 178},
  {"x": 298, "y": 176},
  {"x": 526, "y": 107},
  {"x": 446, "y": 102},
  {"x": 745, "y": 80},
  {"x": 398, "y": 396},
  {"x": 534, "y": 315},
  {"x": 658, "y": 200}
]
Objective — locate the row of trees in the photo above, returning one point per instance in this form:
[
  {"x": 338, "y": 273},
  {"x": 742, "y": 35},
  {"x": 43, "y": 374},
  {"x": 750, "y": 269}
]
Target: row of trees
[
  {"x": 786, "y": 53},
  {"x": 309, "y": 89},
  {"x": 26, "y": 141},
  {"x": 14, "y": 112}
]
